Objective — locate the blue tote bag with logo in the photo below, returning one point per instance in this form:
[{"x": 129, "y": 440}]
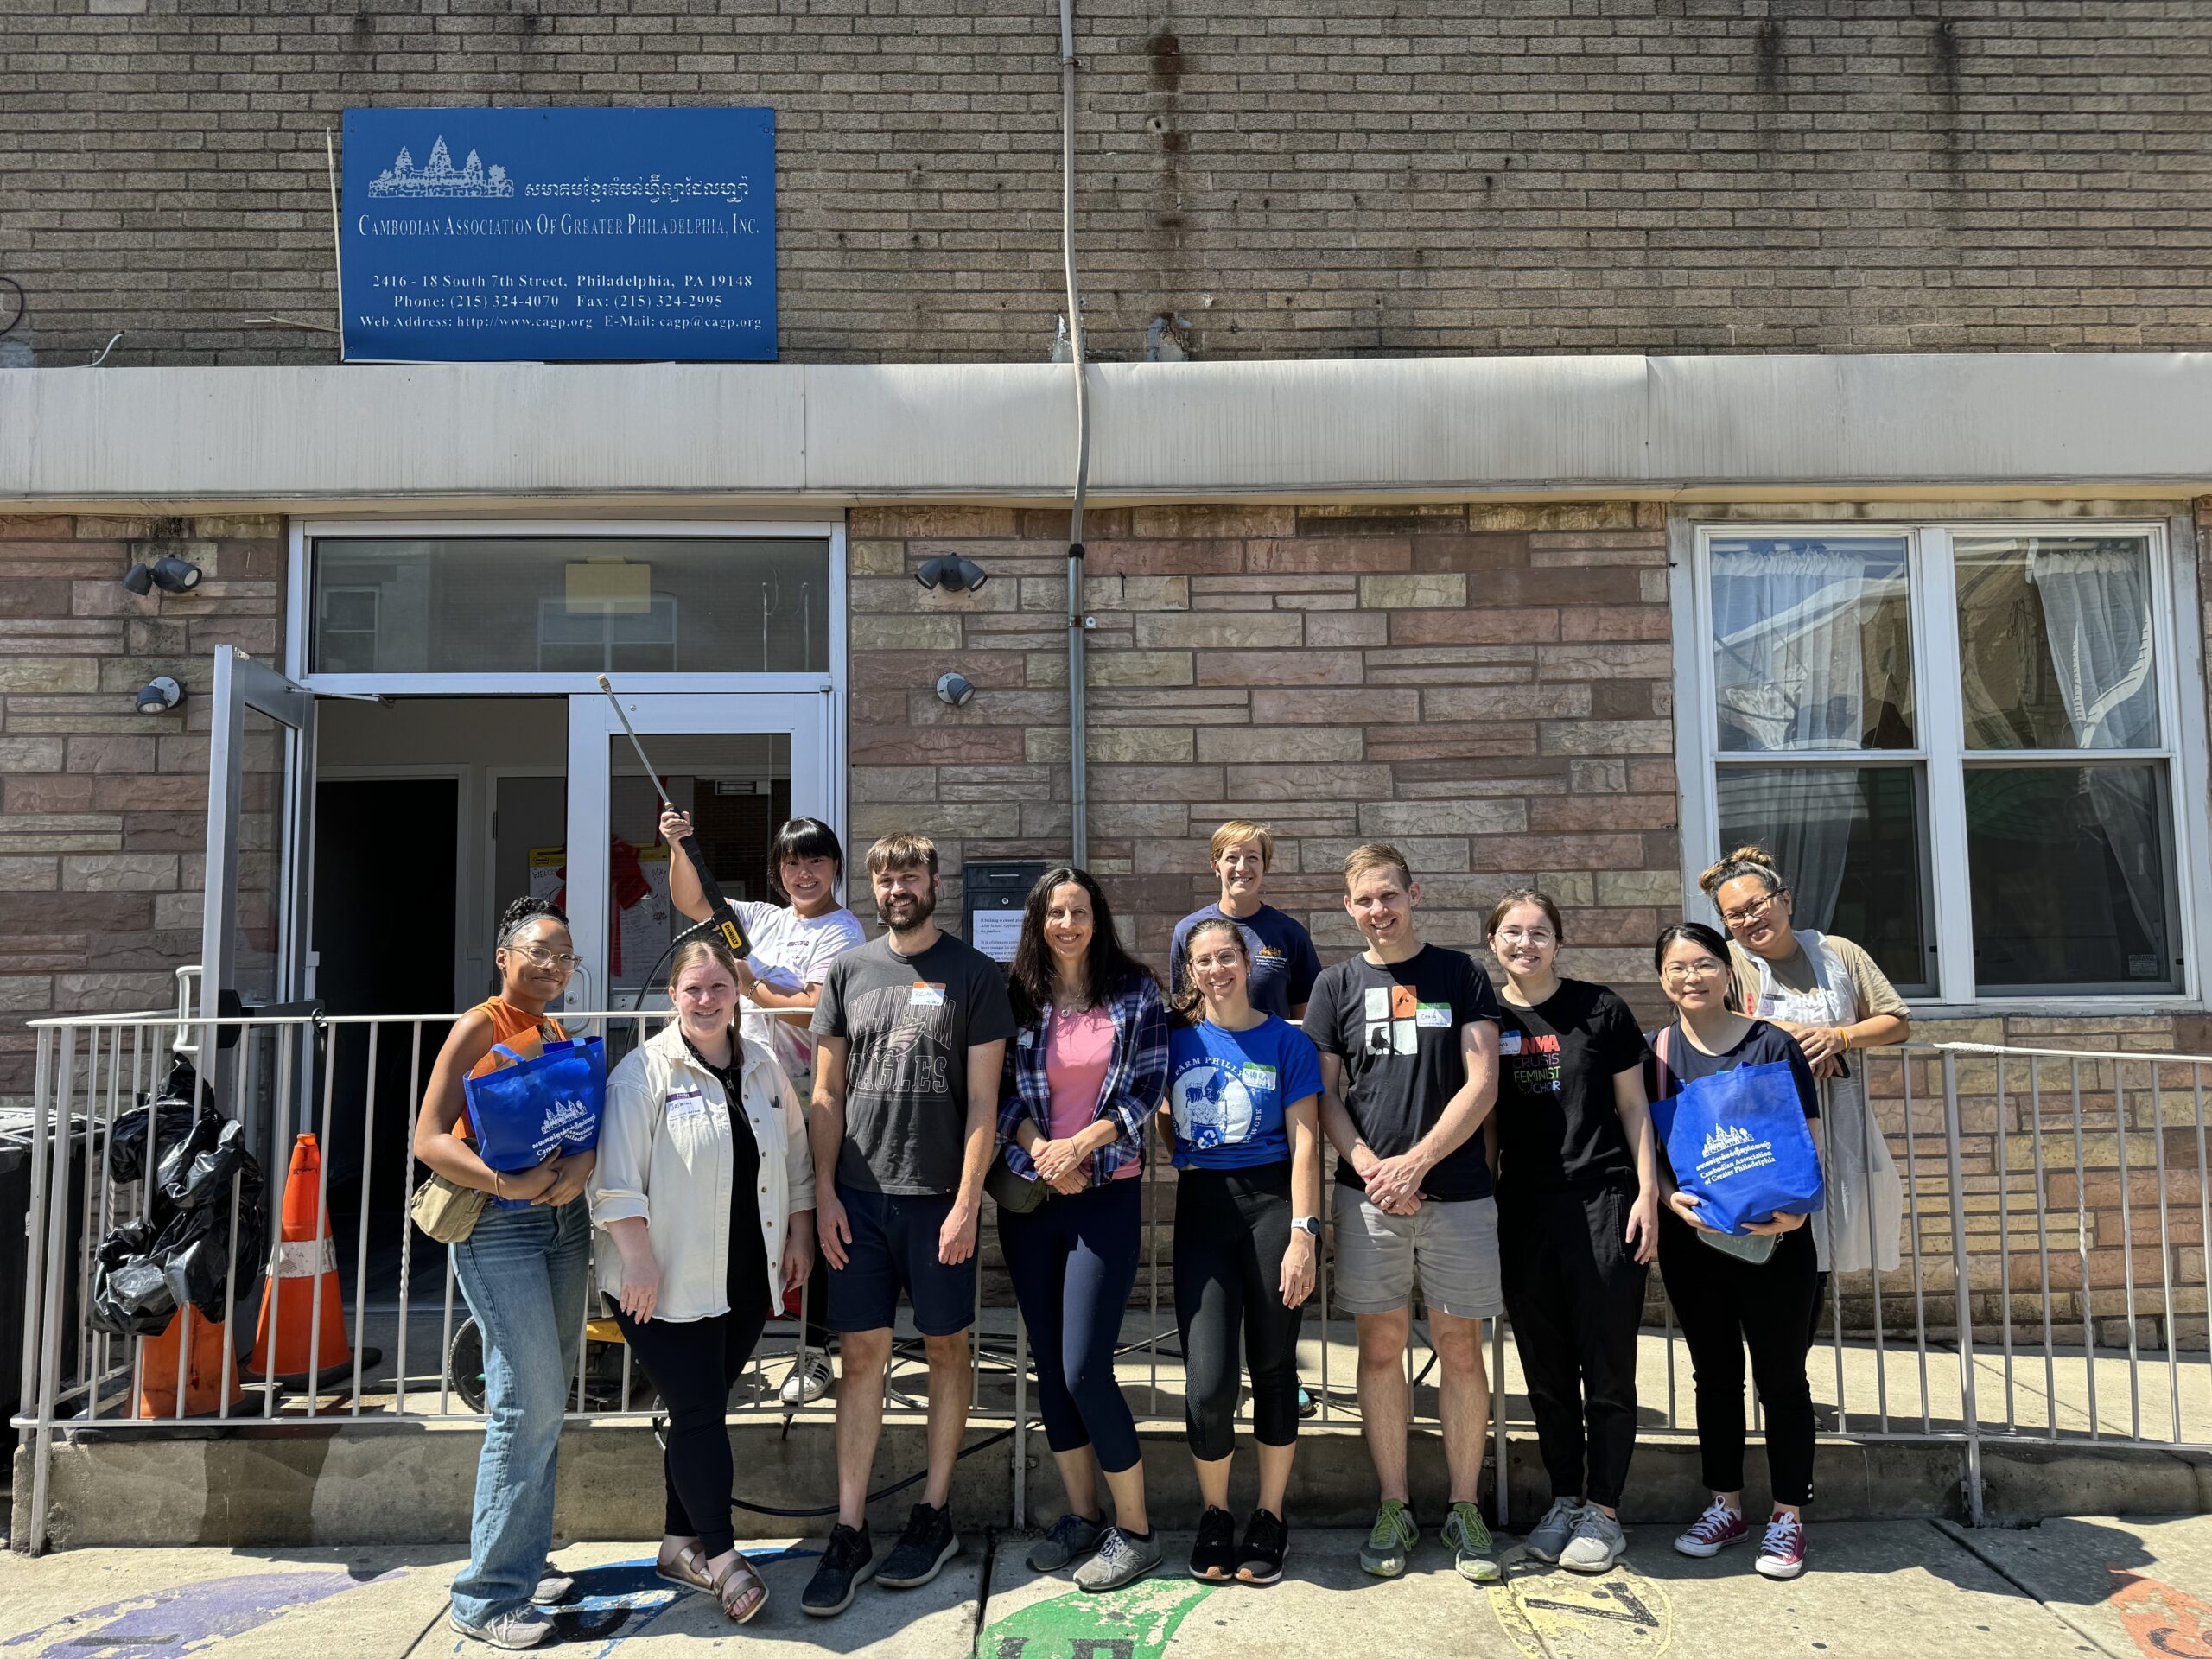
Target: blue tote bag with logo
[
  {"x": 1741, "y": 1146},
  {"x": 522, "y": 1113}
]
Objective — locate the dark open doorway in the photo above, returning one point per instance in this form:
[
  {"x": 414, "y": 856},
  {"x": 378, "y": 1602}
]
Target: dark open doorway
[{"x": 386, "y": 905}]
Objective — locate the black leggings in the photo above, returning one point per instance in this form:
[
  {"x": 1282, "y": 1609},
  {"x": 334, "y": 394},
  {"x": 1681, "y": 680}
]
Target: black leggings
[
  {"x": 1726, "y": 1305},
  {"x": 1232, "y": 1229},
  {"x": 695, "y": 1364},
  {"x": 1574, "y": 1294}
]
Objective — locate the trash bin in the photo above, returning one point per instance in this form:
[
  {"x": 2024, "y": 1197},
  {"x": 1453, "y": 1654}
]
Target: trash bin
[{"x": 15, "y": 1251}]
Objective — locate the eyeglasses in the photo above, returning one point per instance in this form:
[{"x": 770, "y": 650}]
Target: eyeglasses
[
  {"x": 1708, "y": 968},
  {"x": 1753, "y": 911},
  {"x": 1526, "y": 935},
  {"x": 566, "y": 961}
]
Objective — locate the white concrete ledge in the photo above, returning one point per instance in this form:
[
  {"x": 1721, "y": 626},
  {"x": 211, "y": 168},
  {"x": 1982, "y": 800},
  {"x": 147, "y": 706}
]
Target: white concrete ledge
[{"x": 2111, "y": 424}]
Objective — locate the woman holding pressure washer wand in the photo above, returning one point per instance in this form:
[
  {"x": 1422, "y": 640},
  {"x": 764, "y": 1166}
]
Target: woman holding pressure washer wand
[
  {"x": 523, "y": 1271},
  {"x": 780, "y": 981}
]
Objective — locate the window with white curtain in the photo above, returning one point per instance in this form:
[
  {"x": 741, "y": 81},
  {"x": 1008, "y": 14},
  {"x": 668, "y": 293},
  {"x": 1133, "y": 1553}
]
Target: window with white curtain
[{"x": 1958, "y": 742}]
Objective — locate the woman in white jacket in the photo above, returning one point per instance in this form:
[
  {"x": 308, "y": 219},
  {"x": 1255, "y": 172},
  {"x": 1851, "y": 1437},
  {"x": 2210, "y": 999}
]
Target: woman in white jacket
[{"x": 705, "y": 1185}]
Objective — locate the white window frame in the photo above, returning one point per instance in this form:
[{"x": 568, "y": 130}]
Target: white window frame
[{"x": 1940, "y": 725}]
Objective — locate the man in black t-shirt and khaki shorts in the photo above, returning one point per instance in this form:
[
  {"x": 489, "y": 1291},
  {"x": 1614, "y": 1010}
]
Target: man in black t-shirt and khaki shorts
[{"x": 1408, "y": 1039}]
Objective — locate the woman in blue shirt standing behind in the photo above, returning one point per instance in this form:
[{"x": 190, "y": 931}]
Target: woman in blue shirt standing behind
[{"x": 1243, "y": 1116}]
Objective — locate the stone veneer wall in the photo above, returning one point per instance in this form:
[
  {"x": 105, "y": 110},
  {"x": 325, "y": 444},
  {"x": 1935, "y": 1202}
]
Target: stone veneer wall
[{"x": 104, "y": 811}]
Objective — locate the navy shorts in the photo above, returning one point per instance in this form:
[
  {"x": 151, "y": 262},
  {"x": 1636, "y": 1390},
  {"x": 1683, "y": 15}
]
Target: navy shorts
[{"x": 894, "y": 1249}]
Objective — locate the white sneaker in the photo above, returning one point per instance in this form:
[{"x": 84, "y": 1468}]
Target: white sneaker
[
  {"x": 1550, "y": 1535},
  {"x": 1598, "y": 1543},
  {"x": 525, "y": 1627},
  {"x": 808, "y": 1382}
]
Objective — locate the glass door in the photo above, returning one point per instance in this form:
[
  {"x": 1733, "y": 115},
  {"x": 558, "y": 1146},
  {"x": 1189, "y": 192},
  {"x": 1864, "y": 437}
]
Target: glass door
[{"x": 739, "y": 764}]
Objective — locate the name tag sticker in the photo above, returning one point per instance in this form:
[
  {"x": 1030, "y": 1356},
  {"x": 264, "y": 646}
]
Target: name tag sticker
[
  {"x": 1509, "y": 1042},
  {"x": 1435, "y": 1015},
  {"x": 925, "y": 996},
  {"x": 686, "y": 1102}
]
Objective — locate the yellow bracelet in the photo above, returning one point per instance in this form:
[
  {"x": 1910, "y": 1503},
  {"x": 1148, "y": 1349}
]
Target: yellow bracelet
[{"x": 1844, "y": 1032}]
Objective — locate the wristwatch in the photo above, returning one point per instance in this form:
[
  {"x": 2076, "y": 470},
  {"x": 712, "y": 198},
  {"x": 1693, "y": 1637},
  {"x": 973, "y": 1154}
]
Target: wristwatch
[{"x": 1310, "y": 1224}]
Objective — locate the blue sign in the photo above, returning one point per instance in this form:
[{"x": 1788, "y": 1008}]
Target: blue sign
[{"x": 490, "y": 235}]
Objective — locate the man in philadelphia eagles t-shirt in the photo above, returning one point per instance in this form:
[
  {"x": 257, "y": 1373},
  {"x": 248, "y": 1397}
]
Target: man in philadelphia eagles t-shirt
[{"x": 1408, "y": 1039}]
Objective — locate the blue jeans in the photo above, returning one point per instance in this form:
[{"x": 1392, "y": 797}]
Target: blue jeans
[{"x": 523, "y": 1273}]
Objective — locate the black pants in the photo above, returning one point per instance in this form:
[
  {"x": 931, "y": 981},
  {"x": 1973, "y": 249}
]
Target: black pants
[
  {"x": 1074, "y": 1260},
  {"x": 1726, "y": 1305},
  {"x": 1232, "y": 1230},
  {"x": 1574, "y": 1294},
  {"x": 695, "y": 1364}
]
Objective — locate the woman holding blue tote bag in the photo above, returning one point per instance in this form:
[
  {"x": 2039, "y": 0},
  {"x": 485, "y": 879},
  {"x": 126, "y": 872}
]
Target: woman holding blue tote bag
[
  {"x": 1749, "y": 1287},
  {"x": 523, "y": 1269}
]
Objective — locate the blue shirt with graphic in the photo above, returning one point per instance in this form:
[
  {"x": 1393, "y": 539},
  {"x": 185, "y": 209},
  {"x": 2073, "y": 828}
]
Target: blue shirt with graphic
[
  {"x": 1284, "y": 963},
  {"x": 1228, "y": 1091}
]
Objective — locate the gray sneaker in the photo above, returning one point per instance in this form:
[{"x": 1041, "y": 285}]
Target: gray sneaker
[
  {"x": 1598, "y": 1543},
  {"x": 525, "y": 1627},
  {"x": 1474, "y": 1557},
  {"x": 1121, "y": 1559},
  {"x": 1389, "y": 1540},
  {"x": 1549, "y": 1536},
  {"x": 1069, "y": 1537}
]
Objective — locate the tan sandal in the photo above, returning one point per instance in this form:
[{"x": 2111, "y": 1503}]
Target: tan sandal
[
  {"x": 687, "y": 1572},
  {"x": 736, "y": 1578}
]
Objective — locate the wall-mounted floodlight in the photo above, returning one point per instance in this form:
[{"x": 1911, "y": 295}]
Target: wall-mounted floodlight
[
  {"x": 953, "y": 573},
  {"x": 955, "y": 688},
  {"x": 171, "y": 574},
  {"x": 159, "y": 694}
]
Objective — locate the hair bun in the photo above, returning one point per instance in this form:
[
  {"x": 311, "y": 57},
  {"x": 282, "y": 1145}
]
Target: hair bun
[{"x": 1746, "y": 860}]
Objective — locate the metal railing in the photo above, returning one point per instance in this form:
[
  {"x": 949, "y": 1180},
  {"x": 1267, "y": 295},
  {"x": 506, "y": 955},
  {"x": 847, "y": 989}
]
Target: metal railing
[{"x": 2040, "y": 1186}]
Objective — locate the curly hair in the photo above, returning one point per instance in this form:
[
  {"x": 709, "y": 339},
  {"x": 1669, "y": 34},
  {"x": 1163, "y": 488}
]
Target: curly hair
[
  {"x": 520, "y": 914},
  {"x": 1745, "y": 860}
]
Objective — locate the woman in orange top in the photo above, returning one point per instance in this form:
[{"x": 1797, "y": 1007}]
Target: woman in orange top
[{"x": 524, "y": 1272}]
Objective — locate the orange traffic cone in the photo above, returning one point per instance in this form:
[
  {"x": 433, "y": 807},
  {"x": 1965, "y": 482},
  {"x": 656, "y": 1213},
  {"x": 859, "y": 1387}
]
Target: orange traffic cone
[
  {"x": 211, "y": 1369},
  {"x": 303, "y": 1294}
]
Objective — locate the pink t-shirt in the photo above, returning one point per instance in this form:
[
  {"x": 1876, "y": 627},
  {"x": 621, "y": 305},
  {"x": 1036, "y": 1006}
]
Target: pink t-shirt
[{"x": 1078, "y": 1048}]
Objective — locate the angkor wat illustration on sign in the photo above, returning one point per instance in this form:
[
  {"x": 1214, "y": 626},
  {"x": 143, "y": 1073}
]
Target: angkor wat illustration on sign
[{"x": 440, "y": 177}]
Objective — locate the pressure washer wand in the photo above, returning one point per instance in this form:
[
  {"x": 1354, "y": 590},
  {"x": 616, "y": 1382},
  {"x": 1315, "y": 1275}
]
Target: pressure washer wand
[{"x": 721, "y": 915}]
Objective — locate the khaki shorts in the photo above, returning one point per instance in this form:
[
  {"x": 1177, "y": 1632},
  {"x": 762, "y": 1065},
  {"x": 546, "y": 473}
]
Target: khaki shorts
[{"x": 1450, "y": 1247}]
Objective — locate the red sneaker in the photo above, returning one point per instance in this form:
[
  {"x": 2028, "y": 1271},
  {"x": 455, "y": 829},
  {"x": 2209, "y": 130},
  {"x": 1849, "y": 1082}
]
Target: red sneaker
[
  {"x": 1717, "y": 1529},
  {"x": 1781, "y": 1554}
]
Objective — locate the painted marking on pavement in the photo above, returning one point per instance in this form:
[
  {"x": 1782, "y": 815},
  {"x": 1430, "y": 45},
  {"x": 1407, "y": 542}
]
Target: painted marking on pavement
[
  {"x": 1136, "y": 1622},
  {"x": 163, "y": 1624},
  {"x": 619, "y": 1599},
  {"x": 2163, "y": 1622},
  {"x": 1552, "y": 1614}
]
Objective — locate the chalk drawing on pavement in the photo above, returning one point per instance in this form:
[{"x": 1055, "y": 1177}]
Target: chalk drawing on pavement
[
  {"x": 2163, "y": 1622},
  {"x": 188, "y": 1618},
  {"x": 1136, "y": 1622},
  {"x": 619, "y": 1599},
  {"x": 1556, "y": 1615}
]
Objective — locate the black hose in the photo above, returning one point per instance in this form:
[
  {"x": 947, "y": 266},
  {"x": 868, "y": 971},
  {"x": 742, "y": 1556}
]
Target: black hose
[{"x": 660, "y": 1425}]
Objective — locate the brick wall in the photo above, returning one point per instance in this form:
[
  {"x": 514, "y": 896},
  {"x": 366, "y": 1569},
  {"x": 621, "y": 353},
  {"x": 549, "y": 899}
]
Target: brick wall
[
  {"x": 104, "y": 811},
  {"x": 1291, "y": 177},
  {"x": 1489, "y": 686}
]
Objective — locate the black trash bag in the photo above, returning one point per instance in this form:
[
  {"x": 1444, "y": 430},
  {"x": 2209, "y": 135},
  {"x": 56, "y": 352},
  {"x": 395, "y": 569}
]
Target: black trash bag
[
  {"x": 131, "y": 1293},
  {"x": 173, "y": 1112},
  {"x": 180, "y": 1251}
]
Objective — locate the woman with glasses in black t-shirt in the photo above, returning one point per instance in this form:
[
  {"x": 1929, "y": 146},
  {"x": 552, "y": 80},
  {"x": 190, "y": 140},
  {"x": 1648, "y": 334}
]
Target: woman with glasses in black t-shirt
[{"x": 1578, "y": 1210}]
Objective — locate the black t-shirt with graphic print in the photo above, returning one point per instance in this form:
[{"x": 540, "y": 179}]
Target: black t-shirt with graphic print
[
  {"x": 1558, "y": 1127},
  {"x": 1397, "y": 1030},
  {"x": 908, "y": 1023}
]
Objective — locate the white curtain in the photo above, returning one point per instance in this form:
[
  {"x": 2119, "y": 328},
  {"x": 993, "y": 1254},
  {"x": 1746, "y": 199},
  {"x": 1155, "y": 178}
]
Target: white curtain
[
  {"x": 1804, "y": 817},
  {"x": 2096, "y": 612},
  {"x": 1790, "y": 654}
]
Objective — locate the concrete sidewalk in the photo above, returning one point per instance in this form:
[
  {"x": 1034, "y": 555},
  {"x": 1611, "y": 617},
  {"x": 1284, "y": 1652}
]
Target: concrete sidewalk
[{"x": 2126, "y": 1590}]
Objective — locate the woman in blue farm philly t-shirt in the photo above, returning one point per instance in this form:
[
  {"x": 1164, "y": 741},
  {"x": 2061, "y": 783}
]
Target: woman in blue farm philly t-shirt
[{"x": 1243, "y": 1114}]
